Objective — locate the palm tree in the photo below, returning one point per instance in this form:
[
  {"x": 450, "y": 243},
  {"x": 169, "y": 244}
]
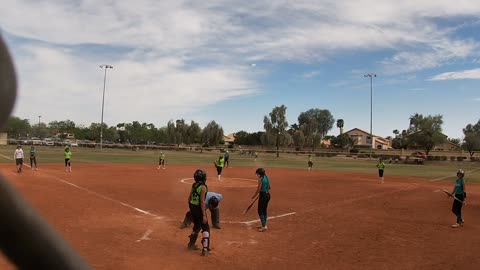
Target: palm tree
[{"x": 340, "y": 124}]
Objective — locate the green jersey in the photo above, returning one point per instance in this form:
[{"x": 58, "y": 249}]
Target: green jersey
[
  {"x": 32, "y": 153},
  {"x": 196, "y": 191},
  {"x": 162, "y": 156},
  {"x": 220, "y": 162},
  {"x": 381, "y": 165},
  {"x": 68, "y": 155}
]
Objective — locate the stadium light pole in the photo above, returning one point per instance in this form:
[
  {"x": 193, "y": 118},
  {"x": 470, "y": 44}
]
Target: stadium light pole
[
  {"x": 103, "y": 102},
  {"x": 39, "y": 119},
  {"x": 371, "y": 75}
]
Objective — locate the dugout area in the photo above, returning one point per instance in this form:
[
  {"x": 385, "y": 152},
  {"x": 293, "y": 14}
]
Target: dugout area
[{"x": 126, "y": 216}]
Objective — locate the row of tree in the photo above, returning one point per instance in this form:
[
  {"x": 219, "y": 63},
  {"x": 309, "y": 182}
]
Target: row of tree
[
  {"x": 423, "y": 132},
  {"x": 176, "y": 132}
]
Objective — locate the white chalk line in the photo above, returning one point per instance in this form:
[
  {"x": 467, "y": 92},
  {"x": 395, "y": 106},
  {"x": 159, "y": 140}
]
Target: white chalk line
[
  {"x": 451, "y": 176},
  {"x": 258, "y": 220},
  {"x": 100, "y": 195},
  {"x": 145, "y": 236}
]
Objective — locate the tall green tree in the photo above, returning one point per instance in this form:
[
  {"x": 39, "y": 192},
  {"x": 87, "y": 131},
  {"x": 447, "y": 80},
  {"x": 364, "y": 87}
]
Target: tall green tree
[
  {"x": 340, "y": 124},
  {"x": 212, "y": 134},
  {"x": 276, "y": 126},
  {"x": 17, "y": 127},
  {"x": 471, "y": 141},
  {"x": 426, "y": 132},
  {"x": 40, "y": 130},
  {"x": 193, "y": 133},
  {"x": 315, "y": 124}
]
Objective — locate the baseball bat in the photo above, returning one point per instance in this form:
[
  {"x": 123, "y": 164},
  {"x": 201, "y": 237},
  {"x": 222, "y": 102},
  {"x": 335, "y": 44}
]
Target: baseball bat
[
  {"x": 251, "y": 204},
  {"x": 450, "y": 195}
]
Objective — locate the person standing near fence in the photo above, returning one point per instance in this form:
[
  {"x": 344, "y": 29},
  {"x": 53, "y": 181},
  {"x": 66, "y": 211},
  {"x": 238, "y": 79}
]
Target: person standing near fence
[
  {"x": 381, "y": 168},
  {"x": 227, "y": 158},
  {"x": 33, "y": 158},
  {"x": 18, "y": 156},
  {"x": 460, "y": 193}
]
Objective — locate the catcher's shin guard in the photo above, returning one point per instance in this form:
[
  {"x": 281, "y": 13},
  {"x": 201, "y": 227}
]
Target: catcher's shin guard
[{"x": 206, "y": 240}]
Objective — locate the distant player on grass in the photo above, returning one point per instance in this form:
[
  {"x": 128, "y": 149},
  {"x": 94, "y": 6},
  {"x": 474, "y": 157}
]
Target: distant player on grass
[
  {"x": 460, "y": 193},
  {"x": 219, "y": 163},
  {"x": 310, "y": 162},
  {"x": 33, "y": 158},
  {"x": 161, "y": 161},
  {"x": 198, "y": 209},
  {"x": 381, "y": 168},
  {"x": 227, "y": 158},
  {"x": 18, "y": 156},
  {"x": 212, "y": 199},
  {"x": 263, "y": 190},
  {"x": 68, "y": 159}
]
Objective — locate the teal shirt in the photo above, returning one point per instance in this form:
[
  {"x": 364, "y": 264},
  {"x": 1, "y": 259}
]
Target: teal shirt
[
  {"x": 32, "y": 153},
  {"x": 459, "y": 186},
  {"x": 265, "y": 184}
]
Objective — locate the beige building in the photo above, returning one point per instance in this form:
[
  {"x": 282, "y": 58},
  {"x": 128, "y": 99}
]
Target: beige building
[
  {"x": 362, "y": 139},
  {"x": 229, "y": 139}
]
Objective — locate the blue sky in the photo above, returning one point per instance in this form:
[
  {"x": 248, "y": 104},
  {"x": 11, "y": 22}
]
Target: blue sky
[{"x": 232, "y": 61}]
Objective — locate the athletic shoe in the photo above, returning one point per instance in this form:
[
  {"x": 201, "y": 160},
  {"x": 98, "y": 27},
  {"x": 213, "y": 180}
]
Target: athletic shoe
[
  {"x": 205, "y": 252},
  {"x": 216, "y": 226},
  {"x": 193, "y": 247},
  {"x": 262, "y": 229},
  {"x": 456, "y": 225}
]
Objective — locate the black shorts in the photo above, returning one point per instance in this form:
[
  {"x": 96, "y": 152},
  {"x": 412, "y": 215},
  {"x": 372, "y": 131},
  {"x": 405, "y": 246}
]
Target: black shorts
[
  {"x": 219, "y": 170},
  {"x": 197, "y": 216},
  {"x": 380, "y": 173},
  {"x": 19, "y": 161},
  {"x": 310, "y": 164},
  {"x": 67, "y": 162},
  {"x": 161, "y": 162}
]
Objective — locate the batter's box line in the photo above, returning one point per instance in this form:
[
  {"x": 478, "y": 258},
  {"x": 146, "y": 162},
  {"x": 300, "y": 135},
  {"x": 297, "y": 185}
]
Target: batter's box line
[{"x": 258, "y": 220}]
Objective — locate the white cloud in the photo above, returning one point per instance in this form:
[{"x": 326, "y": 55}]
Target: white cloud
[
  {"x": 176, "y": 56},
  {"x": 311, "y": 74},
  {"x": 458, "y": 75}
]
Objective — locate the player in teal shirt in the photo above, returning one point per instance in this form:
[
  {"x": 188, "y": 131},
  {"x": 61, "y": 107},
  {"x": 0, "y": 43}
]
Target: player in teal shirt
[
  {"x": 33, "y": 158},
  {"x": 263, "y": 191},
  {"x": 459, "y": 193}
]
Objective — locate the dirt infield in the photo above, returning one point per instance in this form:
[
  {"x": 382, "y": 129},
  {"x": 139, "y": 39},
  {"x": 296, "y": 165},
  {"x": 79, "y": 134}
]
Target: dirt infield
[{"x": 121, "y": 216}]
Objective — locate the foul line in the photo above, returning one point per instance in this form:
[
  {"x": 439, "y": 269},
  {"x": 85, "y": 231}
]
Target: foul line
[
  {"x": 441, "y": 178},
  {"x": 258, "y": 220},
  {"x": 99, "y": 195}
]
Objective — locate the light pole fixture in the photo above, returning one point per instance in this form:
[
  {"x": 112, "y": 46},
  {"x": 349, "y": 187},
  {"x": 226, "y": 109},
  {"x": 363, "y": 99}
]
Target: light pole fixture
[
  {"x": 371, "y": 75},
  {"x": 39, "y": 119},
  {"x": 103, "y": 101}
]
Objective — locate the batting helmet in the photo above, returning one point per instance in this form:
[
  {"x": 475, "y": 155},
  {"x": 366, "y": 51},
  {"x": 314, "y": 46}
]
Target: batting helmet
[
  {"x": 213, "y": 202},
  {"x": 200, "y": 176},
  {"x": 460, "y": 171},
  {"x": 260, "y": 171}
]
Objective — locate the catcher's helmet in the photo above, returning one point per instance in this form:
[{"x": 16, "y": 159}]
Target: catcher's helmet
[
  {"x": 213, "y": 202},
  {"x": 200, "y": 176},
  {"x": 260, "y": 171},
  {"x": 460, "y": 171}
]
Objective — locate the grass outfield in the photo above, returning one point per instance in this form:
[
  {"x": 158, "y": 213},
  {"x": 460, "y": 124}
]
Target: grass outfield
[{"x": 432, "y": 170}]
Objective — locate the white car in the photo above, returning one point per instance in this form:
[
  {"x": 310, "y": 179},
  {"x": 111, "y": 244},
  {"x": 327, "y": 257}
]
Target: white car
[
  {"x": 48, "y": 142},
  {"x": 36, "y": 141}
]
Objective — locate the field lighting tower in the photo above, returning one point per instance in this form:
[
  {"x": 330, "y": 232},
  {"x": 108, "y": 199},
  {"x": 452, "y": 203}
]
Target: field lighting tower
[
  {"x": 103, "y": 102},
  {"x": 371, "y": 75}
]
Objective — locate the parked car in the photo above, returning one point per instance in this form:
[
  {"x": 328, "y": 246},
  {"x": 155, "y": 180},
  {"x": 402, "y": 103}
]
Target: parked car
[
  {"x": 48, "y": 142},
  {"x": 24, "y": 140},
  {"x": 36, "y": 141}
]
